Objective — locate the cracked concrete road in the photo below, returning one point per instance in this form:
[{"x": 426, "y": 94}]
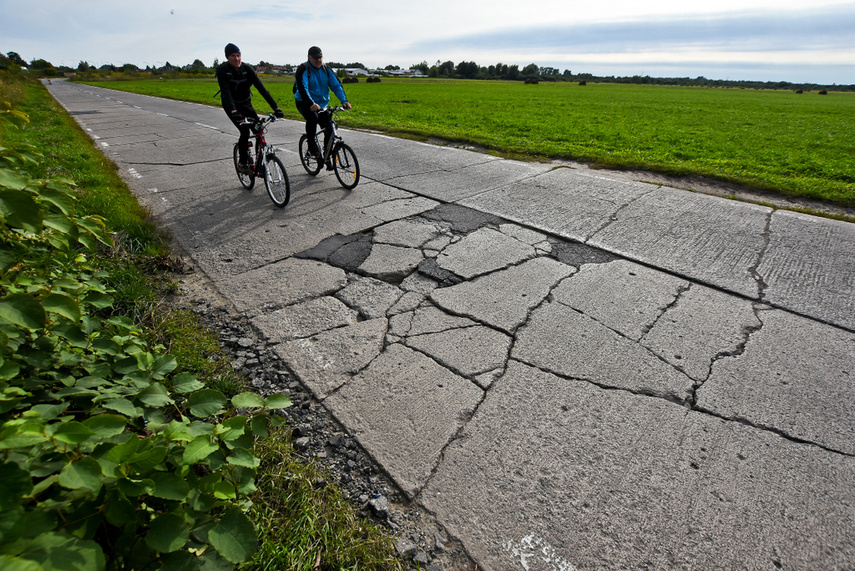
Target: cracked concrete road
[{"x": 569, "y": 371}]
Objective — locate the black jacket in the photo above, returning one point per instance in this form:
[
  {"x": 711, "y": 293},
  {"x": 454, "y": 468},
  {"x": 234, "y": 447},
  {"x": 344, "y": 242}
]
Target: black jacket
[{"x": 235, "y": 86}]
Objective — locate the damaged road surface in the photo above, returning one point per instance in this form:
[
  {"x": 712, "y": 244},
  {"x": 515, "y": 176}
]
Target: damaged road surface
[{"x": 566, "y": 370}]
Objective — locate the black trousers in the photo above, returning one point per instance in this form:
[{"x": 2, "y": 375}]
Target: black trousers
[
  {"x": 313, "y": 119},
  {"x": 248, "y": 112}
]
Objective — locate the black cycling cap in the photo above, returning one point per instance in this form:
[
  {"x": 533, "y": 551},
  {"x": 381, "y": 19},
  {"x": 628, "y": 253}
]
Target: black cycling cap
[
  {"x": 315, "y": 51},
  {"x": 231, "y": 49}
]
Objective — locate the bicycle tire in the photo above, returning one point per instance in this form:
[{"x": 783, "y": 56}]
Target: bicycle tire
[
  {"x": 246, "y": 180},
  {"x": 276, "y": 181},
  {"x": 346, "y": 166},
  {"x": 310, "y": 163}
]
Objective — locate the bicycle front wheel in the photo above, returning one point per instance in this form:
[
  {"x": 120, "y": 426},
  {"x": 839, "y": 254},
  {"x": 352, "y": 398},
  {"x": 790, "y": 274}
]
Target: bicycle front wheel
[
  {"x": 276, "y": 181},
  {"x": 247, "y": 180},
  {"x": 346, "y": 166},
  {"x": 311, "y": 163}
]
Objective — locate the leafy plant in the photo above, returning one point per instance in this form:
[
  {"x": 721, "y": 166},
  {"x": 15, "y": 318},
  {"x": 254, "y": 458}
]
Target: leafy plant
[{"x": 109, "y": 457}]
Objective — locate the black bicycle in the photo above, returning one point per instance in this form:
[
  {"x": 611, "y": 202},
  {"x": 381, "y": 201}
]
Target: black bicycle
[
  {"x": 337, "y": 155},
  {"x": 265, "y": 164}
]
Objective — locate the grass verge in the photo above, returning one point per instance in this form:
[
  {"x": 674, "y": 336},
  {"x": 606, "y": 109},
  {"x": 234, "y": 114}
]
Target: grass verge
[{"x": 296, "y": 519}]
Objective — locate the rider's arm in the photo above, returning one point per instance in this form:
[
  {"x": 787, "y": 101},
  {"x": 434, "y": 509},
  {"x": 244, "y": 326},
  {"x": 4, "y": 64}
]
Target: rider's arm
[
  {"x": 263, "y": 90},
  {"x": 301, "y": 80},
  {"x": 336, "y": 87}
]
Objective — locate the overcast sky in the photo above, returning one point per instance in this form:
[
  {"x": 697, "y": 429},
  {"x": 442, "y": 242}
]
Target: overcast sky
[{"x": 766, "y": 40}]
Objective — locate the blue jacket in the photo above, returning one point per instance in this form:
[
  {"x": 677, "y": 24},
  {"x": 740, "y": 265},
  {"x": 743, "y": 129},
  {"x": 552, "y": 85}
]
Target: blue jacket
[{"x": 314, "y": 85}]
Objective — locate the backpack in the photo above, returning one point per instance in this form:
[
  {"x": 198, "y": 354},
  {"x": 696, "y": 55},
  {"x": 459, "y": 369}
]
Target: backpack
[{"x": 307, "y": 70}]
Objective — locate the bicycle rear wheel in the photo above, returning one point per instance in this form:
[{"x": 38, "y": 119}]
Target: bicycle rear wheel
[
  {"x": 276, "y": 181},
  {"x": 346, "y": 166},
  {"x": 311, "y": 163},
  {"x": 246, "y": 180}
]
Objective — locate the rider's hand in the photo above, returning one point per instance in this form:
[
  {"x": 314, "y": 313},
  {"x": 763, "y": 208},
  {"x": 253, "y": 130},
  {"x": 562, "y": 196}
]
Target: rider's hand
[
  {"x": 315, "y": 107},
  {"x": 237, "y": 116},
  {"x": 346, "y": 105},
  {"x": 279, "y": 114}
]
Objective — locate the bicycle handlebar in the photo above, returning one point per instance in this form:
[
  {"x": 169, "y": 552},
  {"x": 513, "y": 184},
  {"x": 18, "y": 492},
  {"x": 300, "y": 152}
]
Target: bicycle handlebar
[{"x": 261, "y": 122}]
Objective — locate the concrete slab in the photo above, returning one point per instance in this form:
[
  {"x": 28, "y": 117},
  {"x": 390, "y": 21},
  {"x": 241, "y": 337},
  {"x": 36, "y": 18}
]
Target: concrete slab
[
  {"x": 328, "y": 360},
  {"x": 484, "y": 251},
  {"x": 504, "y": 299},
  {"x": 795, "y": 377},
  {"x": 283, "y": 283},
  {"x": 700, "y": 327},
  {"x": 712, "y": 240},
  {"x": 556, "y": 474},
  {"x": 305, "y": 319},
  {"x": 562, "y": 202},
  {"x": 404, "y": 409},
  {"x": 809, "y": 267},
  {"x": 621, "y": 295},
  {"x": 562, "y": 341}
]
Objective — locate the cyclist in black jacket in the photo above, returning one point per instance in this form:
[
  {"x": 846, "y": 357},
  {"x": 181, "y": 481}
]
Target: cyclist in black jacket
[{"x": 235, "y": 79}]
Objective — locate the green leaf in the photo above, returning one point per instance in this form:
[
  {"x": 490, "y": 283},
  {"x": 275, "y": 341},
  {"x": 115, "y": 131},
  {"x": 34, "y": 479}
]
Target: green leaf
[
  {"x": 61, "y": 223},
  {"x": 206, "y": 402},
  {"x": 146, "y": 459},
  {"x": 106, "y": 425},
  {"x": 24, "y": 310},
  {"x": 60, "y": 199},
  {"x": 9, "y": 563},
  {"x": 61, "y": 551},
  {"x": 244, "y": 458},
  {"x": 62, "y": 304},
  {"x": 247, "y": 400},
  {"x": 85, "y": 474},
  {"x": 277, "y": 401},
  {"x": 123, "y": 406},
  {"x": 72, "y": 432},
  {"x": 234, "y": 536},
  {"x": 163, "y": 365},
  {"x": 135, "y": 488},
  {"x": 167, "y": 533},
  {"x": 155, "y": 396},
  {"x": 15, "y": 483},
  {"x": 19, "y": 208},
  {"x": 169, "y": 486},
  {"x": 259, "y": 424},
  {"x": 186, "y": 383},
  {"x": 199, "y": 449}
]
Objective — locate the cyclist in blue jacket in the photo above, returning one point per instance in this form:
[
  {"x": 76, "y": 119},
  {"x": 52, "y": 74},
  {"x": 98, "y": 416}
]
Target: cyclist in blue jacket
[
  {"x": 313, "y": 82},
  {"x": 235, "y": 79}
]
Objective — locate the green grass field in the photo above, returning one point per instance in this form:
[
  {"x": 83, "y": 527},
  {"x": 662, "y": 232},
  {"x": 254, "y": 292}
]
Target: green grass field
[{"x": 795, "y": 144}]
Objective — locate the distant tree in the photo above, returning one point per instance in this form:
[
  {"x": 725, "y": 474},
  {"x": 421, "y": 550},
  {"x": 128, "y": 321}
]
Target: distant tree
[
  {"x": 216, "y": 63},
  {"x": 422, "y": 67},
  {"x": 530, "y": 70},
  {"x": 446, "y": 69},
  {"x": 335, "y": 65},
  {"x": 392, "y": 68},
  {"x": 40, "y": 64},
  {"x": 83, "y": 66},
  {"x": 513, "y": 72},
  {"x": 356, "y": 64},
  {"x": 567, "y": 74},
  {"x": 16, "y": 58},
  {"x": 130, "y": 68}
]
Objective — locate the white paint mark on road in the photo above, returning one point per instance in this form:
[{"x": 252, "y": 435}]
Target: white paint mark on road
[
  {"x": 537, "y": 555},
  {"x": 207, "y": 126},
  {"x": 134, "y": 173},
  {"x": 105, "y": 145}
]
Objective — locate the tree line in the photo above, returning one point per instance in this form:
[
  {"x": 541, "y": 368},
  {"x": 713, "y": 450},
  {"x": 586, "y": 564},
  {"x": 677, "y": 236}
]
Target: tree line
[{"x": 440, "y": 70}]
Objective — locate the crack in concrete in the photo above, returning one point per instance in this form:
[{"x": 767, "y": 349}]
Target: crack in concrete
[
  {"x": 762, "y": 286},
  {"x": 615, "y": 215},
  {"x": 740, "y": 348}
]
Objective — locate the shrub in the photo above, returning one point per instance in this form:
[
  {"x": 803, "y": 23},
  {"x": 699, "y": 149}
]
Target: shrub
[{"x": 109, "y": 457}]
